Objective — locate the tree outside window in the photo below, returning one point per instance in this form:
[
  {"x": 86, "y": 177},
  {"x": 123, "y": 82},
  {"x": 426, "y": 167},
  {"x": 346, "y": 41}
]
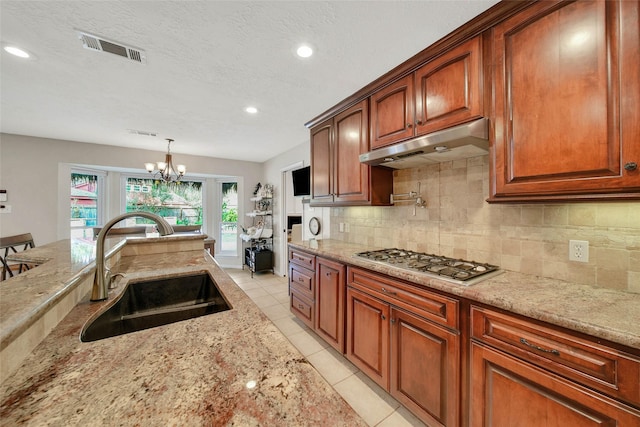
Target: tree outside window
[{"x": 179, "y": 203}]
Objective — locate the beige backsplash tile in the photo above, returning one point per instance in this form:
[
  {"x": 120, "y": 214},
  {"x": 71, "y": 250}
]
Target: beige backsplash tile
[{"x": 527, "y": 238}]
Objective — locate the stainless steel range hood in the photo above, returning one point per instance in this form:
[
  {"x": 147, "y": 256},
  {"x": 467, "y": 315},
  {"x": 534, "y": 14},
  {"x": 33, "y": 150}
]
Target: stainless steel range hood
[{"x": 459, "y": 142}]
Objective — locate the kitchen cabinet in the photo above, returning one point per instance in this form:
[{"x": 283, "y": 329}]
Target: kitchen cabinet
[
  {"x": 338, "y": 177},
  {"x": 405, "y": 339},
  {"x": 302, "y": 286},
  {"x": 527, "y": 374},
  {"x": 443, "y": 92},
  {"x": 368, "y": 335},
  {"x": 330, "y": 299},
  {"x": 317, "y": 295},
  {"x": 567, "y": 94}
]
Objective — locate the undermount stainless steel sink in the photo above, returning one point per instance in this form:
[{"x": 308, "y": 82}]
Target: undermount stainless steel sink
[{"x": 151, "y": 303}]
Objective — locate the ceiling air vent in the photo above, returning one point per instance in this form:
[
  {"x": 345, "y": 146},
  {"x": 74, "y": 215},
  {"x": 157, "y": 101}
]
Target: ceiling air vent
[
  {"x": 93, "y": 42},
  {"x": 142, "y": 132}
]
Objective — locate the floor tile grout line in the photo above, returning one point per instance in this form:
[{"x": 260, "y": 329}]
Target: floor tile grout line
[{"x": 311, "y": 334}]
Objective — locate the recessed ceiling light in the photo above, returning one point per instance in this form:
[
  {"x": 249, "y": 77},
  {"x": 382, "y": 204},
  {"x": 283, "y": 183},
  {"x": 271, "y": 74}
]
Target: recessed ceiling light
[
  {"x": 304, "y": 51},
  {"x": 17, "y": 51},
  {"x": 251, "y": 110}
]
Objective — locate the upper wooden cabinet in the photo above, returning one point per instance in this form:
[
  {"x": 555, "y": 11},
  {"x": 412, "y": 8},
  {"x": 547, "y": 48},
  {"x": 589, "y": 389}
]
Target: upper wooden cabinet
[
  {"x": 338, "y": 177},
  {"x": 444, "y": 92},
  {"x": 567, "y": 94}
]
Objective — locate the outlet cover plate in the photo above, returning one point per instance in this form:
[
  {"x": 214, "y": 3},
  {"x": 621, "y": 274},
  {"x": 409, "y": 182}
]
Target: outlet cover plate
[{"x": 579, "y": 250}]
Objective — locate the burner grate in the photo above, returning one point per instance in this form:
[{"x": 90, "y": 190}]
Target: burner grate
[{"x": 456, "y": 270}]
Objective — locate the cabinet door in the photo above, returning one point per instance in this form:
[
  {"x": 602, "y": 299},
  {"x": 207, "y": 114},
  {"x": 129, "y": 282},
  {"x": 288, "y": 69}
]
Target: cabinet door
[
  {"x": 330, "y": 296},
  {"x": 392, "y": 113},
  {"x": 449, "y": 89},
  {"x": 567, "y": 93},
  {"x": 351, "y": 178},
  {"x": 424, "y": 368},
  {"x": 506, "y": 391},
  {"x": 321, "y": 162},
  {"x": 368, "y": 335}
]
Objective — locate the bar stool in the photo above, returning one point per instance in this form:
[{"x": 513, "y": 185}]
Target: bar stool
[{"x": 12, "y": 244}]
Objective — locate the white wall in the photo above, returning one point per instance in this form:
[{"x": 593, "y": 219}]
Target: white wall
[
  {"x": 273, "y": 169},
  {"x": 35, "y": 172}
]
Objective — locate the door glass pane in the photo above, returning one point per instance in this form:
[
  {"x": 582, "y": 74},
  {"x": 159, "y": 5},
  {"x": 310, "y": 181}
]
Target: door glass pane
[
  {"x": 84, "y": 205},
  {"x": 229, "y": 219}
]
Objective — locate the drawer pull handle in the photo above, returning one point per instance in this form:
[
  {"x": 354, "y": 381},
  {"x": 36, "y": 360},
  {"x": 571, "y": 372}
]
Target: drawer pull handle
[
  {"x": 300, "y": 279},
  {"x": 301, "y": 307},
  {"x": 389, "y": 292},
  {"x": 527, "y": 343}
]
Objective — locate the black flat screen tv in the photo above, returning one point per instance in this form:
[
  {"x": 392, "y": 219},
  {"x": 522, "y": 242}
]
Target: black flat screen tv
[{"x": 301, "y": 181}]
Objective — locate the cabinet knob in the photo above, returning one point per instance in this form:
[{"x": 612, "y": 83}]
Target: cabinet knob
[
  {"x": 382, "y": 317},
  {"x": 419, "y": 123},
  {"x": 409, "y": 125},
  {"x": 631, "y": 166},
  {"x": 328, "y": 274}
]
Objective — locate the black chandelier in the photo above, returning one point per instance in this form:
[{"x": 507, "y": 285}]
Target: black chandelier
[{"x": 165, "y": 170}]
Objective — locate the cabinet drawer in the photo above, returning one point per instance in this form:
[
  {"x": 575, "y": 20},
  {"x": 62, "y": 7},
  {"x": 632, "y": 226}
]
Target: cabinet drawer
[
  {"x": 302, "y": 258},
  {"x": 427, "y": 304},
  {"x": 302, "y": 308},
  {"x": 602, "y": 368},
  {"x": 302, "y": 280}
]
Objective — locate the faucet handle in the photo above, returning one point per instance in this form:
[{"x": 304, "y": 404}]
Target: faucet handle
[{"x": 111, "y": 278}]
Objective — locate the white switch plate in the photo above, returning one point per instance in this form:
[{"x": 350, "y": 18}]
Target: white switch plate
[{"x": 579, "y": 250}]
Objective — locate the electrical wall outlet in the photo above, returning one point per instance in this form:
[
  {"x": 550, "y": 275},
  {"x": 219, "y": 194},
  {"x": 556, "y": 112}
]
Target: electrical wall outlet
[{"x": 579, "y": 250}]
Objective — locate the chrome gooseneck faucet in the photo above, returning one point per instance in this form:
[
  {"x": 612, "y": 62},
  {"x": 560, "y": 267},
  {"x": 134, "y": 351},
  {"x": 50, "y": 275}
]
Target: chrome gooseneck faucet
[{"x": 102, "y": 278}]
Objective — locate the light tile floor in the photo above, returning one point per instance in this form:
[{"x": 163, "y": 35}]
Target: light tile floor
[{"x": 371, "y": 402}]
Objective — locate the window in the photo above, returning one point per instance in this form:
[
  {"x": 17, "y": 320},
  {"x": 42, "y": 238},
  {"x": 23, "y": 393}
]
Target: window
[
  {"x": 229, "y": 218},
  {"x": 86, "y": 196},
  {"x": 180, "y": 203}
]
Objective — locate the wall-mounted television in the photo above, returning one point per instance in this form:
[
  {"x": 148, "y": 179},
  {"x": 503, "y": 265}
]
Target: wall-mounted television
[{"x": 301, "y": 181}]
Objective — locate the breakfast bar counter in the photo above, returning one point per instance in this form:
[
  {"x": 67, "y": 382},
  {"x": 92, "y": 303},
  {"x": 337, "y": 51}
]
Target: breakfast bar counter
[{"x": 227, "y": 368}]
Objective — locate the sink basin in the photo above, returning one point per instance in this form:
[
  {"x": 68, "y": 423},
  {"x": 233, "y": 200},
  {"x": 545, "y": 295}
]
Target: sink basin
[{"x": 151, "y": 303}]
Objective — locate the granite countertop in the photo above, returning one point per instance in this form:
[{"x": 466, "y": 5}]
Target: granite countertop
[
  {"x": 602, "y": 313},
  {"x": 193, "y": 372}
]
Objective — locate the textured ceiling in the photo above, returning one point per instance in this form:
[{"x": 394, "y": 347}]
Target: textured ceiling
[{"x": 206, "y": 61}]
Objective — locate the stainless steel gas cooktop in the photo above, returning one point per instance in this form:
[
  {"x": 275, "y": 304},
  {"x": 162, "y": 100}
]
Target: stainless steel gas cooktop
[{"x": 449, "y": 269}]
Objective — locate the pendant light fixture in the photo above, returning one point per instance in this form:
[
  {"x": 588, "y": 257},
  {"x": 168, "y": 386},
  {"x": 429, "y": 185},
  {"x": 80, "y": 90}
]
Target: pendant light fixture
[{"x": 165, "y": 170}]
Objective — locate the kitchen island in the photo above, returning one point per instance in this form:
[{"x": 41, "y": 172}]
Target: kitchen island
[{"x": 228, "y": 368}]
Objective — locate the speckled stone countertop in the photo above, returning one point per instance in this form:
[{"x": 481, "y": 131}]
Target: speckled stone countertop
[
  {"x": 602, "y": 313},
  {"x": 193, "y": 372}
]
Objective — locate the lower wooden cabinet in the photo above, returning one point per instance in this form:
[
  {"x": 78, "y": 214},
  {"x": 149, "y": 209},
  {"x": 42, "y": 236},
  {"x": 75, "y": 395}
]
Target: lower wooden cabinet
[
  {"x": 454, "y": 362},
  {"x": 425, "y": 368},
  {"x": 368, "y": 335},
  {"x": 329, "y": 298},
  {"x": 317, "y": 295},
  {"x": 506, "y": 391},
  {"x": 415, "y": 359},
  {"x": 527, "y": 374}
]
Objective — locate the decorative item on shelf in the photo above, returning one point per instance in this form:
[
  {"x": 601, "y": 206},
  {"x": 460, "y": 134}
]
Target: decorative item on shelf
[
  {"x": 259, "y": 235},
  {"x": 165, "y": 171}
]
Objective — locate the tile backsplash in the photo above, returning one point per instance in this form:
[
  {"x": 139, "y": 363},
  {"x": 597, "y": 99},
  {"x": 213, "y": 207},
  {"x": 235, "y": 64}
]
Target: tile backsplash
[{"x": 528, "y": 238}]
